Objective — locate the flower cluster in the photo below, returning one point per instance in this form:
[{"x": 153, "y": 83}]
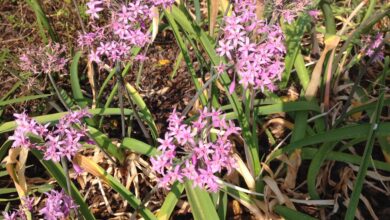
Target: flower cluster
[
  {"x": 372, "y": 44},
  {"x": 290, "y": 9},
  {"x": 16, "y": 215},
  {"x": 127, "y": 27},
  {"x": 61, "y": 141},
  {"x": 254, "y": 47},
  {"x": 19, "y": 214},
  {"x": 58, "y": 206},
  {"x": 189, "y": 151},
  {"x": 45, "y": 59}
]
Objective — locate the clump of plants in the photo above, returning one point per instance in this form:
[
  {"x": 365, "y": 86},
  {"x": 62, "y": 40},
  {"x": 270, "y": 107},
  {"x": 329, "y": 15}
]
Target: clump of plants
[{"x": 289, "y": 116}]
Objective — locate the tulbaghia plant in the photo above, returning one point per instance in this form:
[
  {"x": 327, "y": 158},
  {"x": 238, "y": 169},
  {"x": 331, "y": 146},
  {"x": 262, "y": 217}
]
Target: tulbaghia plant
[
  {"x": 253, "y": 47},
  {"x": 63, "y": 140},
  {"x": 127, "y": 27},
  {"x": 189, "y": 151},
  {"x": 45, "y": 59},
  {"x": 58, "y": 206}
]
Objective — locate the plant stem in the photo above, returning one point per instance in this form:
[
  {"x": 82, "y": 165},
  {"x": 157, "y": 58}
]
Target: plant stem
[
  {"x": 120, "y": 94},
  {"x": 53, "y": 83},
  {"x": 66, "y": 171}
]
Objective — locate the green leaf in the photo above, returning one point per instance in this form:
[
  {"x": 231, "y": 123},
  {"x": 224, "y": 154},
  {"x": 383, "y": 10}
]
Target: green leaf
[
  {"x": 309, "y": 153},
  {"x": 367, "y": 155},
  {"x": 170, "y": 201},
  {"x": 23, "y": 99},
  {"x": 202, "y": 206},
  {"x": 293, "y": 33},
  {"x": 75, "y": 82},
  {"x": 7, "y": 190},
  {"x": 12, "y": 90},
  {"x": 348, "y": 132},
  {"x": 105, "y": 143},
  {"x": 4, "y": 148},
  {"x": 147, "y": 115},
  {"x": 184, "y": 51},
  {"x": 10, "y": 126},
  {"x": 282, "y": 107},
  {"x": 43, "y": 21},
  {"x": 290, "y": 214},
  {"x": 139, "y": 147}
]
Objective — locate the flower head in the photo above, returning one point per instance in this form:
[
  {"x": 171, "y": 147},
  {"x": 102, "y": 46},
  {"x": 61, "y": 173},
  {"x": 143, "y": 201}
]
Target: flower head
[
  {"x": 125, "y": 26},
  {"x": 58, "y": 206},
  {"x": 45, "y": 59},
  {"x": 258, "y": 61},
  {"x": 371, "y": 44},
  {"x": 63, "y": 140},
  {"x": 187, "y": 151}
]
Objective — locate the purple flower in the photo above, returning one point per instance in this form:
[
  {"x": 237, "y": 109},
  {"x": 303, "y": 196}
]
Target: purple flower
[
  {"x": 58, "y": 206},
  {"x": 28, "y": 203},
  {"x": 46, "y": 59},
  {"x": 258, "y": 62},
  {"x": 10, "y": 216},
  {"x": 371, "y": 44},
  {"x": 63, "y": 140},
  {"x": 24, "y": 125},
  {"x": 94, "y": 6},
  {"x": 314, "y": 14},
  {"x": 127, "y": 26},
  {"x": 187, "y": 152},
  {"x": 291, "y": 11},
  {"x": 225, "y": 48}
]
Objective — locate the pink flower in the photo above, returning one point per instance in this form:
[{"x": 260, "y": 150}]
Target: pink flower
[
  {"x": 58, "y": 205},
  {"x": 314, "y": 14},
  {"x": 28, "y": 203},
  {"x": 46, "y": 59},
  {"x": 61, "y": 141},
  {"x": 224, "y": 49},
  {"x": 220, "y": 68},
  {"x": 186, "y": 151},
  {"x": 141, "y": 58},
  {"x": 94, "y": 7},
  {"x": 256, "y": 60},
  {"x": 10, "y": 216},
  {"x": 94, "y": 57},
  {"x": 127, "y": 26},
  {"x": 371, "y": 44}
]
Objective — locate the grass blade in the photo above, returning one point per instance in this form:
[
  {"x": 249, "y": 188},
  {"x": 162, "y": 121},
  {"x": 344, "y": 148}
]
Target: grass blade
[{"x": 293, "y": 33}]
